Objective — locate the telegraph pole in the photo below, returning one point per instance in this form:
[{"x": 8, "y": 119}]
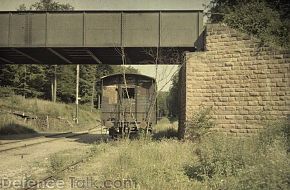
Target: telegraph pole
[
  {"x": 93, "y": 95},
  {"x": 54, "y": 84},
  {"x": 77, "y": 94}
]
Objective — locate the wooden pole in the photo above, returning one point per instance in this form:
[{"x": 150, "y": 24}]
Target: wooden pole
[
  {"x": 93, "y": 94},
  {"x": 24, "y": 86},
  {"x": 52, "y": 91},
  {"x": 99, "y": 101},
  {"x": 54, "y": 85},
  {"x": 77, "y": 94}
]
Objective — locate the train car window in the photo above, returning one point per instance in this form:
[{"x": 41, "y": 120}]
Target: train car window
[
  {"x": 131, "y": 93},
  {"x": 110, "y": 95}
]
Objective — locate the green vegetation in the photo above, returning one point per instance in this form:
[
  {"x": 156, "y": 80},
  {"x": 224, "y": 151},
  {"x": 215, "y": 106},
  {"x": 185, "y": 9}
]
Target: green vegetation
[
  {"x": 60, "y": 116},
  {"x": 165, "y": 129},
  {"x": 173, "y": 97},
  {"x": 215, "y": 162},
  {"x": 261, "y": 162},
  {"x": 35, "y": 80},
  {"x": 168, "y": 102},
  {"x": 46, "y": 5},
  {"x": 199, "y": 124},
  {"x": 268, "y": 20},
  {"x": 152, "y": 164}
]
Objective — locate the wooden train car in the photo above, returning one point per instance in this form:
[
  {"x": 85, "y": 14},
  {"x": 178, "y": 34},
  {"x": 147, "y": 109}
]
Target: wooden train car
[{"x": 127, "y": 103}]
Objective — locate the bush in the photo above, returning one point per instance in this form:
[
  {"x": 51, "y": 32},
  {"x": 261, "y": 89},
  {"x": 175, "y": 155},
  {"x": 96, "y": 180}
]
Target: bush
[
  {"x": 219, "y": 155},
  {"x": 260, "y": 162},
  {"x": 274, "y": 130},
  {"x": 258, "y": 19},
  {"x": 199, "y": 124},
  {"x": 265, "y": 19},
  {"x": 57, "y": 163}
]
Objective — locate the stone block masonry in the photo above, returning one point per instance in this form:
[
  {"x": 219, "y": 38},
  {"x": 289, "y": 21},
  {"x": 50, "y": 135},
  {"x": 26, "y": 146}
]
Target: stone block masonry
[{"x": 245, "y": 83}]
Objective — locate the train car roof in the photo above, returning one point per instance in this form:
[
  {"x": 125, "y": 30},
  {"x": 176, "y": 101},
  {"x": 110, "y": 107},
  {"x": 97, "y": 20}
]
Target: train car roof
[{"x": 128, "y": 74}]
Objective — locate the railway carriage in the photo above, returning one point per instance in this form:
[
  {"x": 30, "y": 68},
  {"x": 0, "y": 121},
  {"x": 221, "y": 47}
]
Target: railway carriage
[{"x": 128, "y": 103}]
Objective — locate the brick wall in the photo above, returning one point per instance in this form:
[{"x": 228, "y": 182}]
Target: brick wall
[{"x": 243, "y": 82}]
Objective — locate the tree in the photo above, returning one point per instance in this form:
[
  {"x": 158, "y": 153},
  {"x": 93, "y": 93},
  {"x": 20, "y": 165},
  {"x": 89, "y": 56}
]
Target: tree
[
  {"x": 13, "y": 76},
  {"x": 172, "y": 99},
  {"x": 47, "y": 5},
  {"x": 27, "y": 80},
  {"x": 266, "y": 19},
  {"x": 162, "y": 104},
  {"x": 36, "y": 80},
  {"x": 66, "y": 83},
  {"x": 87, "y": 82},
  {"x": 120, "y": 69}
]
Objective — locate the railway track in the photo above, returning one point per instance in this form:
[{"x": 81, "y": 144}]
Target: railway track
[
  {"x": 48, "y": 177},
  {"x": 52, "y": 176},
  {"x": 30, "y": 142}
]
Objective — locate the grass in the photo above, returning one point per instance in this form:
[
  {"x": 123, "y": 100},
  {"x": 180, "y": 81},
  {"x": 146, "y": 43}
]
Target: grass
[
  {"x": 60, "y": 115},
  {"x": 11, "y": 125},
  {"x": 260, "y": 162},
  {"x": 214, "y": 161},
  {"x": 151, "y": 164},
  {"x": 165, "y": 129}
]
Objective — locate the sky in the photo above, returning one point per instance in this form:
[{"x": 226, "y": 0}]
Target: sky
[
  {"x": 164, "y": 72},
  {"x": 10, "y": 5}
]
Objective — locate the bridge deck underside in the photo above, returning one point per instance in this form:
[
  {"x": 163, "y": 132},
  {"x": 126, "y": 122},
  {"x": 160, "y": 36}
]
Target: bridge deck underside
[
  {"x": 110, "y": 56},
  {"x": 90, "y": 37}
]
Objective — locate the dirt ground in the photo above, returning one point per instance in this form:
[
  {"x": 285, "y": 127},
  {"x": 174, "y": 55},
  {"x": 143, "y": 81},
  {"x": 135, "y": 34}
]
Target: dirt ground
[{"x": 33, "y": 162}]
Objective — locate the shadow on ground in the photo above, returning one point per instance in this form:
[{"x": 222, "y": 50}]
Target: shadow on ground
[
  {"x": 15, "y": 129},
  {"x": 170, "y": 133},
  {"x": 18, "y": 132},
  {"x": 90, "y": 138}
]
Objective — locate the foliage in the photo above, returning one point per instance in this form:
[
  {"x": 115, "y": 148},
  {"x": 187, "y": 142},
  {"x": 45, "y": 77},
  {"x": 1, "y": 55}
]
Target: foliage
[
  {"x": 6, "y": 92},
  {"x": 173, "y": 97},
  {"x": 265, "y": 19},
  {"x": 274, "y": 130},
  {"x": 66, "y": 90},
  {"x": 216, "y": 162},
  {"x": 46, "y": 5},
  {"x": 60, "y": 115},
  {"x": 226, "y": 162},
  {"x": 165, "y": 129},
  {"x": 57, "y": 162},
  {"x": 162, "y": 106},
  {"x": 150, "y": 164},
  {"x": 27, "y": 80},
  {"x": 37, "y": 80},
  {"x": 87, "y": 82},
  {"x": 120, "y": 69},
  {"x": 199, "y": 124}
]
